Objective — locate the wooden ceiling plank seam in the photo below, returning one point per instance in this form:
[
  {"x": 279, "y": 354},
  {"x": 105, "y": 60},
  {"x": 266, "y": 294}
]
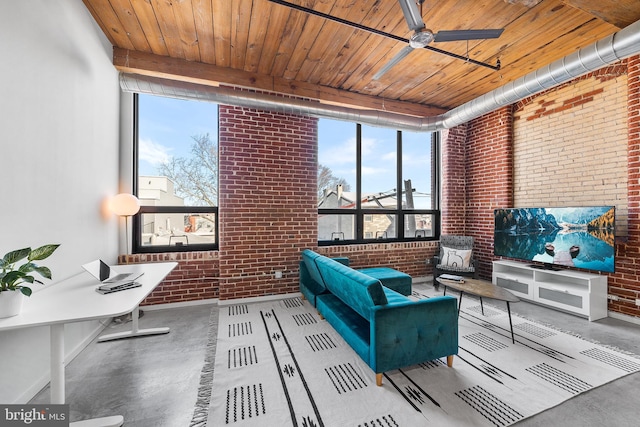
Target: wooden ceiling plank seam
[
  {"x": 381, "y": 86},
  {"x": 292, "y": 52},
  {"x": 338, "y": 41},
  {"x": 365, "y": 42},
  {"x": 168, "y": 27},
  {"x": 624, "y": 14},
  {"x": 108, "y": 20},
  {"x": 149, "y": 23},
  {"x": 547, "y": 16},
  {"x": 336, "y": 66},
  {"x": 258, "y": 43},
  {"x": 203, "y": 19},
  {"x": 311, "y": 28},
  {"x": 528, "y": 63},
  {"x": 364, "y": 63},
  {"x": 127, "y": 16},
  {"x": 186, "y": 21},
  {"x": 289, "y": 40},
  {"x": 222, "y": 18},
  {"x": 240, "y": 24},
  {"x": 321, "y": 38},
  {"x": 275, "y": 34}
]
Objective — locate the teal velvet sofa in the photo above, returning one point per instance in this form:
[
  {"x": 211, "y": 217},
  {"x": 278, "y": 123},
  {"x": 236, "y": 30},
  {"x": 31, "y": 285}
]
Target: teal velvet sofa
[{"x": 385, "y": 328}]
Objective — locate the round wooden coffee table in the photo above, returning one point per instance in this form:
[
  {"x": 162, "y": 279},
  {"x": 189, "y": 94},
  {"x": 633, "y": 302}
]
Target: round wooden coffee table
[{"x": 481, "y": 289}]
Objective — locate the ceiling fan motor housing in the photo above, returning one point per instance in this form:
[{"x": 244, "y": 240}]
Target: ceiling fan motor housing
[{"x": 421, "y": 38}]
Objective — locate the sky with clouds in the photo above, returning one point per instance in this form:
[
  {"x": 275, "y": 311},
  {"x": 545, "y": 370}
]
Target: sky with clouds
[{"x": 168, "y": 125}]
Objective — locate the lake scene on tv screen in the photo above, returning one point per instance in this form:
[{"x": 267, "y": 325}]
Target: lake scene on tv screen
[{"x": 581, "y": 237}]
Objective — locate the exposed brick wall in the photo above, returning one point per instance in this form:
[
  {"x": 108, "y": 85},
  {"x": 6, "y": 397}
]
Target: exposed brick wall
[
  {"x": 489, "y": 168},
  {"x": 570, "y": 145},
  {"x": 626, "y": 281},
  {"x": 268, "y": 206},
  {"x": 195, "y": 277},
  {"x": 577, "y": 144},
  {"x": 453, "y": 204}
]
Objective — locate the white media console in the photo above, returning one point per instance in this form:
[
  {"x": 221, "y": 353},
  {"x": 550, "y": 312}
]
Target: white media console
[{"x": 573, "y": 291}]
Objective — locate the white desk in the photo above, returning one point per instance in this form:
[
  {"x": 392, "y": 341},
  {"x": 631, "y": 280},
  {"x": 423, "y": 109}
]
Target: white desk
[{"x": 76, "y": 300}]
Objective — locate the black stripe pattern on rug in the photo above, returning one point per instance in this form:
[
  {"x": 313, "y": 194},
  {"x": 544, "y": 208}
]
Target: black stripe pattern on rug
[{"x": 489, "y": 406}]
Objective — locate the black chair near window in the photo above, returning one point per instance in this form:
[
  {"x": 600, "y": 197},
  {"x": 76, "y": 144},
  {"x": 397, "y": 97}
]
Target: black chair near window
[{"x": 455, "y": 256}]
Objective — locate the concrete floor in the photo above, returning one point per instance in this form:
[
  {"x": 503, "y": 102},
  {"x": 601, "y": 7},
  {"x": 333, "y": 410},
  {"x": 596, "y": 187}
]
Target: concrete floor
[{"x": 153, "y": 381}]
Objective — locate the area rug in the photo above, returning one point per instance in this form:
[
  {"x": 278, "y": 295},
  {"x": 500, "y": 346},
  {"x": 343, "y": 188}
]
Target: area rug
[{"x": 278, "y": 363}]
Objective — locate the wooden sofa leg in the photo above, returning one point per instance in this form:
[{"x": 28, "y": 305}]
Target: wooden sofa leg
[
  {"x": 450, "y": 360},
  {"x": 378, "y": 380},
  {"x": 321, "y": 316}
]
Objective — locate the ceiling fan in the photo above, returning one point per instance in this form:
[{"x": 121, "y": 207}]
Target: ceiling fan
[{"x": 421, "y": 37}]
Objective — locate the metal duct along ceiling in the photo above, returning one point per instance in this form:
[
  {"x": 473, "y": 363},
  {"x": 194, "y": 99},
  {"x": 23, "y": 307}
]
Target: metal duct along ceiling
[{"x": 607, "y": 51}]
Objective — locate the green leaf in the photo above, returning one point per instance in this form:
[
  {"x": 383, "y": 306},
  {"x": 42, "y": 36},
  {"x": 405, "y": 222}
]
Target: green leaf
[
  {"x": 14, "y": 256},
  {"x": 28, "y": 267},
  {"x": 42, "y": 252},
  {"x": 11, "y": 277},
  {"x": 26, "y": 291},
  {"x": 44, "y": 271}
]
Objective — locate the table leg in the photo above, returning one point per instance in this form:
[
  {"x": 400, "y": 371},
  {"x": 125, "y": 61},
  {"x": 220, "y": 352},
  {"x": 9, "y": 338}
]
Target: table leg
[
  {"x": 135, "y": 331},
  {"x": 481, "y": 306},
  {"x": 460, "y": 302},
  {"x": 57, "y": 363},
  {"x": 57, "y": 384},
  {"x": 513, "y": 339}
]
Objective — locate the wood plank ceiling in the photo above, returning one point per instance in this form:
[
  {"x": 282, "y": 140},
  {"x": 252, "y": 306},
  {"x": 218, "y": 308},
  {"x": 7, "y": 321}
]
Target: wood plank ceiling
[{"x": 262, "y": 45}]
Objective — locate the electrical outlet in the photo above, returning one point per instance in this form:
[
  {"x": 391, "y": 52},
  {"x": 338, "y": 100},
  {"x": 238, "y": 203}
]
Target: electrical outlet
[
  {"x": 612, "y": 297},
  {"x": 428, "y": 261},
  {"x": 638, "y": 301},
  {"x": 278, "y": 274}
]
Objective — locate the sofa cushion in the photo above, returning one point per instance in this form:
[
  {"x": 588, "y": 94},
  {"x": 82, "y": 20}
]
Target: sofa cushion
[
  {"x": 357, "y": 290},
  {"x": 390, "y": 278},
  {"x": 309, "y": 257}
]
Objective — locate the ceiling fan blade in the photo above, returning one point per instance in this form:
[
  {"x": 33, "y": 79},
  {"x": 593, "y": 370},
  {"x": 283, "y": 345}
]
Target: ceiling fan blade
[
  {"x": 456, "y": 35},
  {"x": 378, "y": 32},
  {"x": 411, "y": 14},
  {"x": 399, "y": 57}
]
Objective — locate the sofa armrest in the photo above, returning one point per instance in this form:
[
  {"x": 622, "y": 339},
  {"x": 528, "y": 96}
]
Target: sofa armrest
[{"x": 412, "y": 332}]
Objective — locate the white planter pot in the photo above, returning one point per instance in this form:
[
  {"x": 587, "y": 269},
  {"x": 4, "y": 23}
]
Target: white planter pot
[{"x": 10, "y": 303}]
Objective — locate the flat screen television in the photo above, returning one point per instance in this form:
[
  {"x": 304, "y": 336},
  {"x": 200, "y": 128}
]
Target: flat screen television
[{"x": 581, "y": 237}]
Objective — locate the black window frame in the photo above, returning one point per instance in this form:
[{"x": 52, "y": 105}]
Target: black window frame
[
  {"x": 359, "y": 212},
  {"x": 137, "y": 226}
]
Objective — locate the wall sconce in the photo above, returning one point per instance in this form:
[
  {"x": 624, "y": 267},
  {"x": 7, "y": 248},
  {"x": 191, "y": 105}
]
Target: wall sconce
[{"x": 125, "y": 205}]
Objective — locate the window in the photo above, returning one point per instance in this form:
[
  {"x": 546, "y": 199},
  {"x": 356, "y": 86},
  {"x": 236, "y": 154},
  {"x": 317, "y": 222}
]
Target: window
[
  {"x": 176, "y": 175},
  {"x": 376, "y": 184}
]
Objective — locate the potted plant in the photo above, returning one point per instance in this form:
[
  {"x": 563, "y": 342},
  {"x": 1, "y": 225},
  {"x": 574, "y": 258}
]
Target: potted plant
[{"x": 16, "y": 276}]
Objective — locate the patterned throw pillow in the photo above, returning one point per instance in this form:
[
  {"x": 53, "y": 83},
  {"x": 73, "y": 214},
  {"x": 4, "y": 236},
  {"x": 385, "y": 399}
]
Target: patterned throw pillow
[{"x": 459, "y": 258}]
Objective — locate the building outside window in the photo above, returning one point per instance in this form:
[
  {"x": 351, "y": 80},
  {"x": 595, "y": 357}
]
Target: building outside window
[
  {"x": 176, "y": 175},
  {"x": 376, "y": 184}
]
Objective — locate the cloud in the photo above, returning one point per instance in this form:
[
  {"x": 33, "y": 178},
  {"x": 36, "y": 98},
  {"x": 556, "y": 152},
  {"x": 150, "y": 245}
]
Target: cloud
[
  {"x": 153, "y": 153},
  {"x": 343, "y": 152}
]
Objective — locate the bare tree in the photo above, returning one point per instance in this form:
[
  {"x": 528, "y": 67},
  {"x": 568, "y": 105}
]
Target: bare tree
[
  {"x": 196, "y": 177},
  {"x": 326, "y": 180}
]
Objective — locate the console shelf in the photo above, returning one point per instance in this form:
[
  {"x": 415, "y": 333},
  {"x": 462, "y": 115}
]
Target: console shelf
[{"x": 573, "y": 291}]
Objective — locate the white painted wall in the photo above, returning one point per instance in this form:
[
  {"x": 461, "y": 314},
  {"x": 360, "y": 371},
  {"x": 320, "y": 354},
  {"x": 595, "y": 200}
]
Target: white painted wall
[{"x": 59, "y": 158}]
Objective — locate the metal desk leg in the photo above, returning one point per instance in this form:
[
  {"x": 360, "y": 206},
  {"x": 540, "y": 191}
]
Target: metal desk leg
[
  {"x": 135, "y": 330},
  {"x": 460, "y": 302},
  {"x": 481, "y": 306},
  {"x": 513, "y": 340}
]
